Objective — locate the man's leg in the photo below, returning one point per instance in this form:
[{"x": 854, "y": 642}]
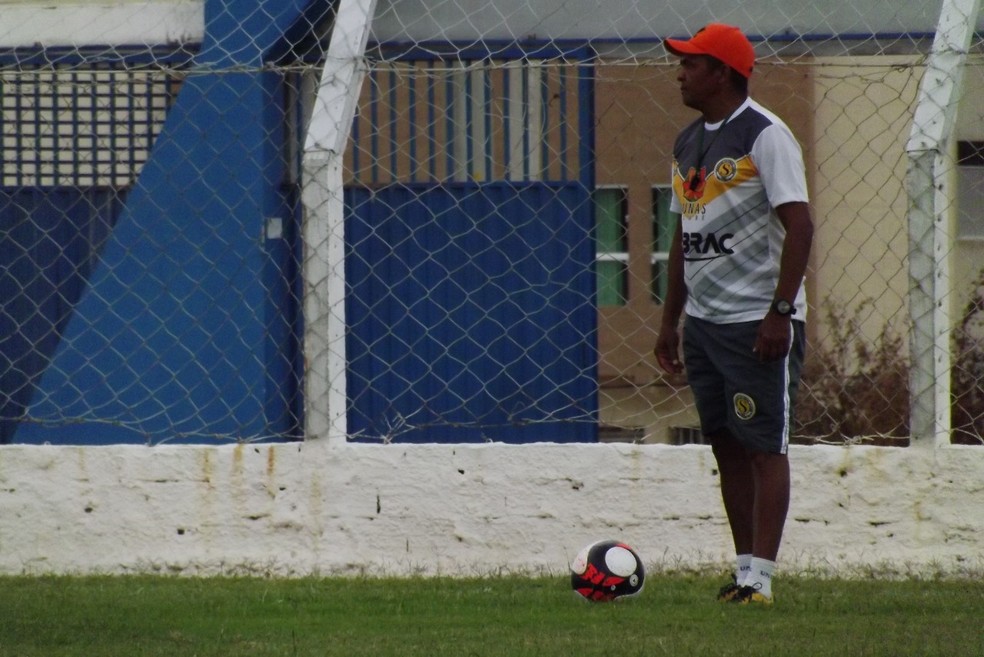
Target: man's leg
[
  {"x": 755, "y": 491},
  {"x": 737, "y": 489},
  {"x": 771, "y": 475}
]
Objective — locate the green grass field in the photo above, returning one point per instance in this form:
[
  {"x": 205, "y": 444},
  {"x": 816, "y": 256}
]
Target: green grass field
[{"x": 509, "y": 616}]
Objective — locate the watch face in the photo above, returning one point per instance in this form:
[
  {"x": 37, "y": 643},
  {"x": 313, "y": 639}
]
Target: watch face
[{"x": 783, "y": 307}]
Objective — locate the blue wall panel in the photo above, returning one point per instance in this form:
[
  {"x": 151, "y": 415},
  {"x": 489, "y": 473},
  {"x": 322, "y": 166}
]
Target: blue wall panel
[
  {"x": 471, "y": 313},
  {"x": 182, "y": 333},
  {"x": 49, "y": 240}
]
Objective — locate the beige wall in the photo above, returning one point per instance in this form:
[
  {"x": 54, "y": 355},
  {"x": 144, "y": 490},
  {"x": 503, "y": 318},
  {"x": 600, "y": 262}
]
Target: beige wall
[
  {"x": 638, "y": 115},
  {"x": 863, "y": 113},
  {"x": 864, "y": 109}
]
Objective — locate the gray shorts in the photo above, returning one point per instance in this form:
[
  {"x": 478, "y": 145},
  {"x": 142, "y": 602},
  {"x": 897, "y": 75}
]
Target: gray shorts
[{"x": 733, "y": 390}]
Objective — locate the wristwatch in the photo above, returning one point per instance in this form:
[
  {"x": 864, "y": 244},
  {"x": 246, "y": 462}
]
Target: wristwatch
[{"x": 783, "y": 308}]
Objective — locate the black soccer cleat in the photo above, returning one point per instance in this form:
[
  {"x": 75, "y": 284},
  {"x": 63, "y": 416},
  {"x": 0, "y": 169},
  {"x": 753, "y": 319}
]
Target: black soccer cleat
[
  {"x": 747, "y": 595},
  {"x": 729, "y": 590}
]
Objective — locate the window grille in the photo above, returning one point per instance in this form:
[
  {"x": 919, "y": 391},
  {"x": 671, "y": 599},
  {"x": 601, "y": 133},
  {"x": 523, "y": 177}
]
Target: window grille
[{"x": 80, "y": 127}]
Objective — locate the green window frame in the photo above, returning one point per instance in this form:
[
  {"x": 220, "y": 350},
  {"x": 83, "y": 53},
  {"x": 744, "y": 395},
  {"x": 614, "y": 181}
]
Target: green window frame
[{"x": 611, "y": 205}]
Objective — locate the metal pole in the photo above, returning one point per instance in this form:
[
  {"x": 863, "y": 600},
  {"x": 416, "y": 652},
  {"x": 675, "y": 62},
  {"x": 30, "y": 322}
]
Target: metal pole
[
  {"x": 929, "y": 243},
  {"x": 322, "y": 197}
]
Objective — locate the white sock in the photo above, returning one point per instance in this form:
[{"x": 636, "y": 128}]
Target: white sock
[
  {"x": 760, "y": 576},
  {"x": 744, "y": 567}
]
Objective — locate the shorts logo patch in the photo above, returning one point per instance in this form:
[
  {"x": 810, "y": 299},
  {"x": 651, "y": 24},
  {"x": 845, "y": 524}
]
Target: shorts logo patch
[{"x": 744, "y": 406}]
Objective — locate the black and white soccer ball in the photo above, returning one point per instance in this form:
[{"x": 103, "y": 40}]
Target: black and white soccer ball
[{"x": 606, "y": 570}]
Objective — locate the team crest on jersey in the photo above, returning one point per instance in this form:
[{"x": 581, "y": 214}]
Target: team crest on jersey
[
  {"x": 744, "y": 406},
  {"x": 693, "y": 189},
  {"x": 726, "y": 169}
]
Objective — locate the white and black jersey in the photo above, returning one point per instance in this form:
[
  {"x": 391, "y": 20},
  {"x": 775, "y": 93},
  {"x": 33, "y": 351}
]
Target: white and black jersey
[{"x": 727, "y": 179}]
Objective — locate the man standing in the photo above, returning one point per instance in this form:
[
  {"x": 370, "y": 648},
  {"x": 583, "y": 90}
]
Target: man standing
[{"x": 736, "y": 269}]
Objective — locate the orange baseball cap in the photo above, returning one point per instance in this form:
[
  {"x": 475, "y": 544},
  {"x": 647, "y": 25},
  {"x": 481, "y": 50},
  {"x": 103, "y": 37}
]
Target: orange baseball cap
[{"x": 723, "y": 42}]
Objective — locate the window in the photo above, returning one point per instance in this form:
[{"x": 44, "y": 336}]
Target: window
[
  {"x": 612, "y": 249},
  {"x": 970, "y": 190},
  {"x": 664, "y": 224},
  {"x": 80, "y": 127}
]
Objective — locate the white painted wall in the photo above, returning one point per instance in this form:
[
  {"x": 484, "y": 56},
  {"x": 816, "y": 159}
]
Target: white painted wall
[
  {"x": 315, "y": 508},
  {"x": 27, "y": 23}
]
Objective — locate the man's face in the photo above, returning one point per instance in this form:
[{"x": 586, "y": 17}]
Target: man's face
[{"x": 700, "y": 78}]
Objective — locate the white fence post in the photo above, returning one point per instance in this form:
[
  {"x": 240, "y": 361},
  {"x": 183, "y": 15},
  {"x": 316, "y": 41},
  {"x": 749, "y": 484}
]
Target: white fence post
[
  {"x": 929, "y": 239},
  {"x": 323, "y": 229}
]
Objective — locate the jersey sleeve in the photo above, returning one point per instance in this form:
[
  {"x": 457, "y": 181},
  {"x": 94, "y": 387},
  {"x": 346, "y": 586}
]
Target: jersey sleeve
[
  {"x": 779, "y": 160},
  {"x": 675, "y": 206}
]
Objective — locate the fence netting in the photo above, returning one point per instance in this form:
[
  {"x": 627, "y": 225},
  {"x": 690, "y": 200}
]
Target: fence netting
[{"x": 498, "y": 248}]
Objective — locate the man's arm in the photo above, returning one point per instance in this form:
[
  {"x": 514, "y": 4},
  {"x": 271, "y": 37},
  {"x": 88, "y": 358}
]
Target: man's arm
[
  {"x": 774, "y": 333},
  {"x": 667, "y": 347}
]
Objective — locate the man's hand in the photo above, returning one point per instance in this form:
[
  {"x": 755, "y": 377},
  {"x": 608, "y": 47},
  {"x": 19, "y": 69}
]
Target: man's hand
[
  {"x": 774, "y": 337},
  {"x": 667, "y": 350}
]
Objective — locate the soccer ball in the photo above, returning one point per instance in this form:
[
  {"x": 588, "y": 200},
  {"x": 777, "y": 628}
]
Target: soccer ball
[{"x": 606, "y": 570}]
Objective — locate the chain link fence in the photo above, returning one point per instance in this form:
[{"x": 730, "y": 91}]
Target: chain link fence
[{"x": 418, "y": 222}]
